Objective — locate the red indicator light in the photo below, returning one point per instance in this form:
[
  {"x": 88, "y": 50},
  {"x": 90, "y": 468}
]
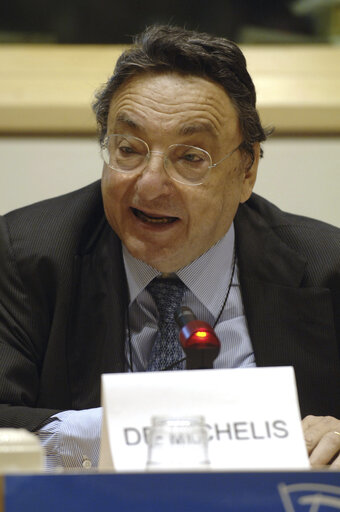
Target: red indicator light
[
  {"x": 201, "y": 334},
  {"x": 198, "y": 334}
]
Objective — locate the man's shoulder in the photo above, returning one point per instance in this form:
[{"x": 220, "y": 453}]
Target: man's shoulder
[
  {"x": 316, "y": 241},
  {"x": 286, "y": 222},
  {"x": 57, "y": 221},
  {"x": 71, "y": 202}
]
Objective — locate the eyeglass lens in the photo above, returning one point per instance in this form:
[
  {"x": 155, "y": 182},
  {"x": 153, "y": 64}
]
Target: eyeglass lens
[{"x": 183, "y": 163}]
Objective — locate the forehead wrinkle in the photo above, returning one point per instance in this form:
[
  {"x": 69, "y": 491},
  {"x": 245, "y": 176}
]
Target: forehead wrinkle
[
  {"x": 198, "y": 124},
  {"x": 215, "y": 111},
  {"x": 153, "y": 99}
]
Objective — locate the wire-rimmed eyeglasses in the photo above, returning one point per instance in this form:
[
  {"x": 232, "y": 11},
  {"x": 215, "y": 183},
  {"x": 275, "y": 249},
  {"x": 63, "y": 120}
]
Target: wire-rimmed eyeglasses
[{"x": 185, "y": 164}]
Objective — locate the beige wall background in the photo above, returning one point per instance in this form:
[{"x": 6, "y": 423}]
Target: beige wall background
[
  {"x": 299, "y": 174},
  {"x": 48, "y": 90}
]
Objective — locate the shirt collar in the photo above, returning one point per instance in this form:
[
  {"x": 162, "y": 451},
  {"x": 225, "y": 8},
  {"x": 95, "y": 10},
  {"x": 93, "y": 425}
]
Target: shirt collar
[{"x": 207, "y": 277}]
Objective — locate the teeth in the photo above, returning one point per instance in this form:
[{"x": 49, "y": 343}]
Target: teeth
[{"x": 153, "y": 220}]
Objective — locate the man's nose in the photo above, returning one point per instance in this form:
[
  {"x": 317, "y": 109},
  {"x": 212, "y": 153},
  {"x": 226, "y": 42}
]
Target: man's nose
[{"x": 153, "y": 180}]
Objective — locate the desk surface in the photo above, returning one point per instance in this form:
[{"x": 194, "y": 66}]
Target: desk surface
[
  {"x": 175, "y": 492},
  {"x": 49, "y": 88}
]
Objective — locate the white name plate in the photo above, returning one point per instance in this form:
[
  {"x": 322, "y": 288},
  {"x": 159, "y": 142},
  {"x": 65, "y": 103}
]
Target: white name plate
[{"x": 252, "y": 416}]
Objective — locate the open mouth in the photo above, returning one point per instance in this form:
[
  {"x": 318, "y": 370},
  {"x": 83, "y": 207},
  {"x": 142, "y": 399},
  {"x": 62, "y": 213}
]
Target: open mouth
[{"x": 153, "y": 219}]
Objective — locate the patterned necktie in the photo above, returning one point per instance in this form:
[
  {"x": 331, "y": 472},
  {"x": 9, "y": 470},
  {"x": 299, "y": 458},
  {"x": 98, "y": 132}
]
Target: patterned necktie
[{"x": 166, "y": 350}]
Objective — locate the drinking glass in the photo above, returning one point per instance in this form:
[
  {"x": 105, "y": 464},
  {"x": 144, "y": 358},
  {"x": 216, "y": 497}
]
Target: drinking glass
[{"x": 178, "y": 443}]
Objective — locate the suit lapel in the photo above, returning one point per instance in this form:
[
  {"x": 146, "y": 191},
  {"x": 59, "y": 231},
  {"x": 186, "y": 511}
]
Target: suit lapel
[
  {"x": 288, "y": 324},
  {"x": 97, "y": 328}
]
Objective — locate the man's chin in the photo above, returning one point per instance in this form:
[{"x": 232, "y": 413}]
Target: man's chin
[{"x": 163, "y": 260}]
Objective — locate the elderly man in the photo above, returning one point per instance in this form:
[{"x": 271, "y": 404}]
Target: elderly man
[{"x": 83, "y": 275}]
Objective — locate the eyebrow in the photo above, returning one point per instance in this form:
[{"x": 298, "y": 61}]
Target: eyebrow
[
  {"x": 201, "y": 127},
  {"x": 125, "y": 119}
]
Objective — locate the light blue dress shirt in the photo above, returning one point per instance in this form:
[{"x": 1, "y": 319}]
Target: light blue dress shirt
[
  {"x": 72, "y": 438},
  {"x": 207, "y": 280}
]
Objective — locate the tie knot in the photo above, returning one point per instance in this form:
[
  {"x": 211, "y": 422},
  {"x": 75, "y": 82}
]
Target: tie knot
[{"x": 167, "y": 294}]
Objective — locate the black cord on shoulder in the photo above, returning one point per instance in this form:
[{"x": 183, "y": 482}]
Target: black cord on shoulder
[{"x": 228, "y": 289}]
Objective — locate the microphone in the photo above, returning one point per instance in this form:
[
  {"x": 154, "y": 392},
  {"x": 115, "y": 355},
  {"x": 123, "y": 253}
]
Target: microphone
[{"x": 198, "y": 340}]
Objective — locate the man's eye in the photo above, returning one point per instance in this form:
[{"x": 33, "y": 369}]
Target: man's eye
[
  {"x": 126, "y": 150},
  {"x": 192, "y": 157}
]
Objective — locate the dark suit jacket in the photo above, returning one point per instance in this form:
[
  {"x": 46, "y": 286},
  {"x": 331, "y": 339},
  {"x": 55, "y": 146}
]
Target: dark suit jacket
[{"x": 63, "y": 303}]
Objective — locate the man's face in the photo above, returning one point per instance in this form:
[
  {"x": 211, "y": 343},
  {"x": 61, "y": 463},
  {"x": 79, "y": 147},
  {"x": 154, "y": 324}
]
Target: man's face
[{"x": 165, "y": 109}]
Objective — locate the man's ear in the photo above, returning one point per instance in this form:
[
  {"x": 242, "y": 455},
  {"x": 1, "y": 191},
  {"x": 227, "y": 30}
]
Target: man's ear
[{"x": 249, "y": 172}]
